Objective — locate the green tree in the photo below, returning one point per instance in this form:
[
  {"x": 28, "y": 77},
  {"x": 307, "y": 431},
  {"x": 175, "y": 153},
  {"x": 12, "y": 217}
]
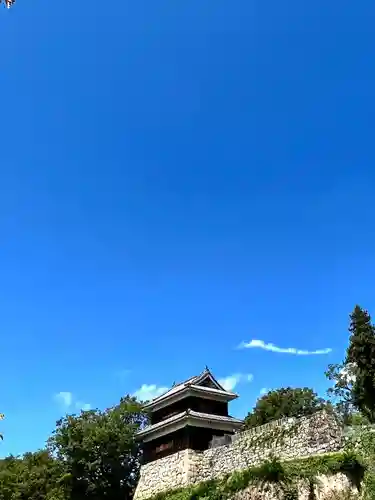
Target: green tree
[
  {"x": 99, "y": 451},
  {"x": 356, "y": 419},
  {"x": 1, "y": 418},
  {"x": 8, "y": 3},
  {"x": 35, "y": 476},
  {"x": 284, "y": 402},
  {"x": 354, "y": 379}
]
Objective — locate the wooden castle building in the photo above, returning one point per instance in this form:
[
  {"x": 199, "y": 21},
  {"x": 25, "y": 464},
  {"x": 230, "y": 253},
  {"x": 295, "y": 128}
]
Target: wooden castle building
[{"x": 189, "y": 415}]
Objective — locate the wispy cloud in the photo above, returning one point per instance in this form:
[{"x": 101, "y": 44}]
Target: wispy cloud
[
  {"x": 64, "y": 398},
  {"x": 260, "y": 344},
  {"x": 229, "y": 383},
  {"x": 67, "y": 401},
  {"x": 83, "y": 406},
  {"x": 147, "y": 392},
  {"x": 263, "y": 391}
]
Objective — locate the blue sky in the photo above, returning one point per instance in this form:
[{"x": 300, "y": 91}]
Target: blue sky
[{"x": 177, "y": 178}]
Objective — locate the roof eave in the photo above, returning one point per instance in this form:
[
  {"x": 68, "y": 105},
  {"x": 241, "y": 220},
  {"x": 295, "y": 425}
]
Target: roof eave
[
  {"x": 187, "y": 391},
  {"x": 196, "y": 380},
  {"x": 187, "y": 419},
  {"x": 223, "y": 394}
]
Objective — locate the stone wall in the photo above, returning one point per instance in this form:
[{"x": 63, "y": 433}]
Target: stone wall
[
  {"x": 285, "y": 439},
  {"x": 164, "y": 474},
  {"x": 324, "y": 489},
  {"x": 293, "y": 438}
]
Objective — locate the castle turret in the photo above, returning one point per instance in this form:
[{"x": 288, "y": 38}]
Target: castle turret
[{"x": 188, "y": 416}]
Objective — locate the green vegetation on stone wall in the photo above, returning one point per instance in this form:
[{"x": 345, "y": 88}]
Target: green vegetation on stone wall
[
  {"x": 362, "y": 444},
  {"x": 283, "y": 476}
]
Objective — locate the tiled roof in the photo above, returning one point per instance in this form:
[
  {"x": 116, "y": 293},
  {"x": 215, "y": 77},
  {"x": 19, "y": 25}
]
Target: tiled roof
[
  {"x": 180, "y": 386},
  {"x": 163, "y": 423},
  {"x": 193, "y": 384},
  {"x": 190, "y": 414},
  {"x": 218, "y": 418}
]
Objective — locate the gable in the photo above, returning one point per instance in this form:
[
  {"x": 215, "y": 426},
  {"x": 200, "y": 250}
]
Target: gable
[
  {"x": 208, "y": 383},
  {"x": 208, "y": 380}
]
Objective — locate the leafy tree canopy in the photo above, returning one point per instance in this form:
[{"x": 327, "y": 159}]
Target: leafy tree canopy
[
  {"x": 354, "y": 378},
  {"x": 8, "y": 3},
  {"x": 35, "y": 476},
  {"x": 1, "y": 418},
  {"x": 284, "y": 402},
  {"x": 99, "y": 451}
]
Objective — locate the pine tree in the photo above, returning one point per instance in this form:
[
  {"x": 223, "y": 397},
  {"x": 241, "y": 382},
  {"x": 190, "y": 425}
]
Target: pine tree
[
  {"x": 361, "y": 355},
  {"x": 355, "y": 377}
]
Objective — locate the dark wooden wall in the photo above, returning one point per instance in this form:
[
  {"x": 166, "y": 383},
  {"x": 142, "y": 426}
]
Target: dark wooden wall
[
  {"x": 200, "y": 437},
  {"x": 192, "y": 403},
  {"x": 165, "y": 445},
  {"x": 195, "y": 438}
]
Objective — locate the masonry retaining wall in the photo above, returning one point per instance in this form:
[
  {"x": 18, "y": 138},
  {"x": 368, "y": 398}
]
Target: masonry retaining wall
[{"x": 285, "y": 439}]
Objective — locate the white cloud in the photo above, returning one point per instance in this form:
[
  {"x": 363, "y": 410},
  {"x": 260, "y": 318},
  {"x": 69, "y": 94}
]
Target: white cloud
[
  {"x": 260, "y": 344},
  {"x": 64, "y": 398},
  {"x": 147, "y": 392},
  {"x": 83, "y": 406},
  {"x": 229, "y": 383},
  {"x": 67, "y": 401},
  {"x": 263, "y": 391}
]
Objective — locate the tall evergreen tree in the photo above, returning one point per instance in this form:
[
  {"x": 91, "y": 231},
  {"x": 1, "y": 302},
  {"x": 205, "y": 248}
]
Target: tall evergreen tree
[
  {"x": 355, "y": 377},
  {"x": 361, "y": 355}
]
